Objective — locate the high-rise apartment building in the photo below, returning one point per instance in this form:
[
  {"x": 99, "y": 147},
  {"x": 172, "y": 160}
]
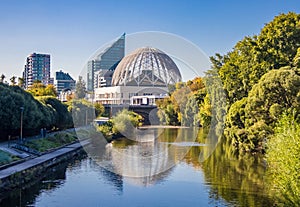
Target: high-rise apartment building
[
  {"x": 37, "y": 67},
  {"x": 105, "y": 61}
]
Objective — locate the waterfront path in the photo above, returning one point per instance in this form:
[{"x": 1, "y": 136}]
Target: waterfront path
[
  {"x": 6, "y": 145},
  {"x": 41, "y": 159}
]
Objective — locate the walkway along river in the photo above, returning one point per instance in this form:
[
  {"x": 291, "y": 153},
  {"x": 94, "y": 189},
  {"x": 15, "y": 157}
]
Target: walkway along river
[{"x": 33, "y": 169}]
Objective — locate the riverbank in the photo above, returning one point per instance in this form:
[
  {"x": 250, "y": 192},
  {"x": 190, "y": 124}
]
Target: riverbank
[{"x": 22, "y": 173}]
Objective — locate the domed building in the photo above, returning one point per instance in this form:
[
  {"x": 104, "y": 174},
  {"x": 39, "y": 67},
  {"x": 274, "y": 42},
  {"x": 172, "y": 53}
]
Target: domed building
[
  {"x": 140, "y": 78},
  {"x": 146, "y": 67}
]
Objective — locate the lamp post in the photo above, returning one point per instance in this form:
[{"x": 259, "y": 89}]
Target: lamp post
[
  {"x": 21, "y": 127},
  {"x": 86, "y": 116}
]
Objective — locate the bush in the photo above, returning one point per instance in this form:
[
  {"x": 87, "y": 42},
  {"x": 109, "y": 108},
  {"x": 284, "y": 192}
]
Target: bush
[
  {"x": 6, "y": 158},
  {"x": 283, "y": 157},
  {"x": 125, "y": 121},
  {"x": 51, "y": 142}
]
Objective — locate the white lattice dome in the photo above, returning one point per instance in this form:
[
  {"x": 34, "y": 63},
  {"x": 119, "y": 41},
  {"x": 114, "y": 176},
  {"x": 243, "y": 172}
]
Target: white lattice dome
[{"x": 146, "y": 67}]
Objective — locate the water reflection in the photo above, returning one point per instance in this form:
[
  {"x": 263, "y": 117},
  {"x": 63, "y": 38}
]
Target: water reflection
[
  {"x": 223, "y": 179},
  {"x": 239, "y": 179},
  {"x": 112, "y": 179},
  {"x": 140, "y": 162},
  {"x": 26, "y": 194}
]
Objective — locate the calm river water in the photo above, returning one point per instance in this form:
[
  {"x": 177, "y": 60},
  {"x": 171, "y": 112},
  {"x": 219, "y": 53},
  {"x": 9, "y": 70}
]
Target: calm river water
[{"x": 174, "y": 170}]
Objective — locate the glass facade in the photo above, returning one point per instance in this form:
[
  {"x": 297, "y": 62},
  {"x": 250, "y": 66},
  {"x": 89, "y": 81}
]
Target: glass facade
[{"x": 107, "y": 60}]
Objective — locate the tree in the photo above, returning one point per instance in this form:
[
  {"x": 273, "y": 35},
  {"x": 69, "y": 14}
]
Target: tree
[
  {"x": 250, "y": 120},
  {"x": 21, "y": 82},
  {"x": 13, "y": 80},
  {"x": 45, "y": 112},
  {"x": 99, "y": 109},
  {"x": 182, "y": 105},
  {"x": 39, "y": 89},
  {"x": 63, "y": 118},
  {"x": 283, "y": 158},
  {"x": 2, "y": 78},
  {"x": 252, "y": 57},
  {"x": 80, "y": 88},
  {"x": 83, "y": 111},
  {"x": 190, "y": 113},
  {"x": 50, "y": 90},
  {"x": 296, "y": 61},
  {"x": 125, "y": 122}
]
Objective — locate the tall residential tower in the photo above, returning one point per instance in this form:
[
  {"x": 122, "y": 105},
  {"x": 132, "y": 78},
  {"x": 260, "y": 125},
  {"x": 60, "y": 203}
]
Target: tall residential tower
[{"x": 37, "y": 67}]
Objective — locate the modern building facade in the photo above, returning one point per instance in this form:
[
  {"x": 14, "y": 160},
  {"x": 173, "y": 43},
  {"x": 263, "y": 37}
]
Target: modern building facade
[
  {"x": 105, "y": 61},
  {"x": 63, "y": 81},
  {"x": 140, "y": 78},
  {"x": 37, "y": 67},
  {"x": 103, "y": 78}
]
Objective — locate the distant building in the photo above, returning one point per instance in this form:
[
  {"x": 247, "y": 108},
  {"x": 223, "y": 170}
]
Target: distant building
[
  {"x": 63, "y": 82},
  {"x": 37, "y": 67},
  {"x": 64, "y": 95},
  {"x": 51, "y": 81},
  {"x": 105, "y": 61}
]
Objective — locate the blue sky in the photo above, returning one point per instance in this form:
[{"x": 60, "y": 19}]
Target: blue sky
[{"x": 71, "y": 31}]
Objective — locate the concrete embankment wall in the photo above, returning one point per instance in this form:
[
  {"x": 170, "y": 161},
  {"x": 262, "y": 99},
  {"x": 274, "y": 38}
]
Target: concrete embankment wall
[{"x": 36, "y": 168}]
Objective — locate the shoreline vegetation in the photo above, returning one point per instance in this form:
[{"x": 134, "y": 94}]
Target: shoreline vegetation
[{"x": 260, "y": 78}]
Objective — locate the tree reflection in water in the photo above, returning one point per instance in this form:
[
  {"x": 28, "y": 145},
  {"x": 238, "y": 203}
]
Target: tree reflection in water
[{"x": 238, "y": 179}]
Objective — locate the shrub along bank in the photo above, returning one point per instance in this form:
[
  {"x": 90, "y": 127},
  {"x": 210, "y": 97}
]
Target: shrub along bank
[{"x": 47, "y": 112}]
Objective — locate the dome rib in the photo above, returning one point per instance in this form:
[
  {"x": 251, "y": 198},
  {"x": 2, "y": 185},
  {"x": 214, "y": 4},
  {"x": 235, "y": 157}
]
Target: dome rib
[{"x": 146, "y": 67}]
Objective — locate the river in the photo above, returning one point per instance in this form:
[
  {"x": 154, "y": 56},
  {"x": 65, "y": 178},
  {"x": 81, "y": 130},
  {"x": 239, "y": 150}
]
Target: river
[{"x": 174, "y": 170}]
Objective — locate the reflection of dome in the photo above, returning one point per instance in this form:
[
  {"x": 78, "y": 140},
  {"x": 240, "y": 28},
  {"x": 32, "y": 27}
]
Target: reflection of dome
[{"x": 146, "y": 67}]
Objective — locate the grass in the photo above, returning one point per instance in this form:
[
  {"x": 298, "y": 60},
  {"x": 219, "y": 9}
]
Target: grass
[
  {"x": 6, "y": 158},
  {"x": 52, "y": 142}
]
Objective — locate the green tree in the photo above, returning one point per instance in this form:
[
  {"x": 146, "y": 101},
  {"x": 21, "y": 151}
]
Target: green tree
[
  {"x": 99, "y": 109},
  {"x": 283, "y": 157},
  {"x": 252, "y": 57},
  {"x": 182, "y": 105},
  {"x": 190, "y": 114},
  {"x": 83, "y": 111},
  {"x": 39, "y": 89},
  {"x": 166, "y": 113},
  {"x": 2, "y": 78},
  {"x": 46, "y": 112},
  {"x": 80, "y": 88},
  {"x": 62, "y": 117},
  {"x": 250, "y": 120},
  {"x": 13, "y": 80},
  {"x": 21, "y": 82},
  {"x": 296, "y": 61},
  {"x": 125, "y": 121}
]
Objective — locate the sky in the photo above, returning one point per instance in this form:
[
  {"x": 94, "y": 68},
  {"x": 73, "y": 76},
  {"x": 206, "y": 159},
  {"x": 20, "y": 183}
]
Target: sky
[{"x": 71, "y": 30}]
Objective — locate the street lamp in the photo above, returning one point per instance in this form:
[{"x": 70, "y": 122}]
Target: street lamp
[{"x": 21, "y": 128}]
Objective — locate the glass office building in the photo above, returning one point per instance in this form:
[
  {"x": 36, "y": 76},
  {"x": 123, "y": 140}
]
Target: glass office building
[{"x": 105, "y": 61}]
